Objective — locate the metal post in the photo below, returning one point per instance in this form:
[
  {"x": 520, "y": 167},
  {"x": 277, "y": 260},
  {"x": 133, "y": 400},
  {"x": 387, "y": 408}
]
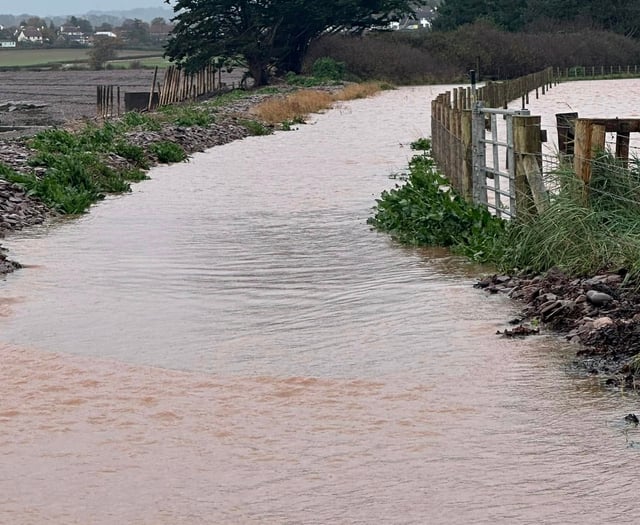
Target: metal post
[
  {"x": 474, "y": 94},
  {"x": 479, "y": 155},
  {"x": 497, "y": 200}
]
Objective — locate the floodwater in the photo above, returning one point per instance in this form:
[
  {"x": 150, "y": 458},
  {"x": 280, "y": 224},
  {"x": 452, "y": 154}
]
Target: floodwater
[
  {"x": 590, "y": 99},
  {"x": 231, "y": 344}
]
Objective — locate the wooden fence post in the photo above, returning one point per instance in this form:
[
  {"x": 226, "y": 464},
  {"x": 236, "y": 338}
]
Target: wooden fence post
[
  {"x": 478, "y": 185},
  {"x": 531, "y": 196},
  {"x": 153, "y": 89},
  {"x": 565, "y": 123},
  {"x": 590, "y": 137},
  {"x": 622, "y": 143}
]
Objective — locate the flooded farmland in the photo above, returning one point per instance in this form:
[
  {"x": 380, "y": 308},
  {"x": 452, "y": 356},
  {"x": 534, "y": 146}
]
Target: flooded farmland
[{"x": 231, "y": 343}]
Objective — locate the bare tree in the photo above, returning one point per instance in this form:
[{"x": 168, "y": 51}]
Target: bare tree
[{"x": 104, "y": 49}]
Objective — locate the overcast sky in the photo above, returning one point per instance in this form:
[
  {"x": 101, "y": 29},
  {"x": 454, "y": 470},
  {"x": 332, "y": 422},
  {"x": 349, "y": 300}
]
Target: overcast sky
[{"x": 70, "y": 7}]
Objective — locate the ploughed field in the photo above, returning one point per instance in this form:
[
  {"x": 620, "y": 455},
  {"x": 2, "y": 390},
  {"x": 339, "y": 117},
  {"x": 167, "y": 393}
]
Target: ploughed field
[{"x": 49, "y": 98}]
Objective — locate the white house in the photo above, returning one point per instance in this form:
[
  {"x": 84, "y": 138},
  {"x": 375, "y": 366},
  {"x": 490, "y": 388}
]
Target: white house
[
  {"x": 29, "y": 34},
  {"x": 7, "y": 44},
  {"x": 73, "y": 34}
]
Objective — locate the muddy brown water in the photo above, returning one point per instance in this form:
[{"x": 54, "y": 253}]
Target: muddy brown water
[{"x": 232, "y": 344}]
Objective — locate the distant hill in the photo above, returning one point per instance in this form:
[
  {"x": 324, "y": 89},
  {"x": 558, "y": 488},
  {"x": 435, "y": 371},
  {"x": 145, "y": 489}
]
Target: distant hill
[
  {"x": 143, "y": 13},
  {"x": 97, "y": 17}
]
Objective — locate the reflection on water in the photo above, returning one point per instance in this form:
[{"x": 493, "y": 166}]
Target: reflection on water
[{"x": 236, "y": 346}]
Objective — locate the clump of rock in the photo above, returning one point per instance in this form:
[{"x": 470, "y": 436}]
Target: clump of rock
[{"x": 599, "y": 313}]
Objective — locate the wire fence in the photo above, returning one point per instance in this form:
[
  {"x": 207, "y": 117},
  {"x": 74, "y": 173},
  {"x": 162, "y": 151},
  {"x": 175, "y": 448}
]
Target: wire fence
[
  {"x": 585, "y": 72},
  {"x": 600, "y": 155}
]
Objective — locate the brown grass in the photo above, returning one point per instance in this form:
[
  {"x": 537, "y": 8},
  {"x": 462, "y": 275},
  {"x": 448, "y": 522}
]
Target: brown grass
[
  {"x": 298, "y": 105},
  {"x": 354, "y": 91}
]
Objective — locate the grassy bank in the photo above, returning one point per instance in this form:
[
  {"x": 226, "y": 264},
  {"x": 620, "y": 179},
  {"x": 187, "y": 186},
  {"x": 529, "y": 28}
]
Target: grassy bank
[
  {"x": 73, "y": 169},
  {"x": 577, "y": 234},
  {"x": 70, "y": 170},
  {"x": 586, "y": 230}
]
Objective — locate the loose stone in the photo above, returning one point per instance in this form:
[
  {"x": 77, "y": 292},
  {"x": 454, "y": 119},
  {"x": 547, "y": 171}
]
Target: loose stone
[{"x": 598, "y": 298}]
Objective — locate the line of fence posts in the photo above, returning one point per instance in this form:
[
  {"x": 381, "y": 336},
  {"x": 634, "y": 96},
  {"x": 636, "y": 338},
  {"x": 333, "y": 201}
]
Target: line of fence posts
[
  {"x": 452, "y": 141},
  {"x": 179, "y": 86},
  {"x": 595, "y": 71},
  {"x": 108, "y": 101},
  {"x": 583, "y": 139}
]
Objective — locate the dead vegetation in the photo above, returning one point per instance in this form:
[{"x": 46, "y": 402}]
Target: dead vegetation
[{"x": 296, "y": 106}]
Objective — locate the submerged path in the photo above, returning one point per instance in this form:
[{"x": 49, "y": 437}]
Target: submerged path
[{"x": 232, "y": 344}]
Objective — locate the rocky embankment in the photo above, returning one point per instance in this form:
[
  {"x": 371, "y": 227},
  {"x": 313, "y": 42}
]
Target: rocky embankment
[
  {"x": 18, "y": 210},
  {"x": 599, "y": 313}
]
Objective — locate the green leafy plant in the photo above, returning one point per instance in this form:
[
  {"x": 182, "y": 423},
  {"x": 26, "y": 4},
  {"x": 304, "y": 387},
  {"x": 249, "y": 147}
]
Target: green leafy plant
[
  {"x": 305, "y": 80},
  {"x": 188, "y": 115},
  {"x": 55, "y": 141},
  {"x": 134, "y": 175},
  {"x": 329, "y": 69},
  {"x": 254, "y": 127},
  {"x": 168, "y": 152},
  {"x": 229, "y": 97},
  {"x": 135, "y": 120},
  {"x": 425, "y": 211},
  {"x": 288, "y": 125},
  {"x": 422, "y": 144},
  {"x": 131, "y": 152},
  {"x": 68, "y": 191}
]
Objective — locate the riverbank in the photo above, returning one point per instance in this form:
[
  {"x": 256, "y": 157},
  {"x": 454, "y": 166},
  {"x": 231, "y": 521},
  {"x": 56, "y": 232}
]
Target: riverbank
[
  {"x": 600, "y": 314},
  {"x": 18, "y": 209},
  {"x": 131, "y": 145}
]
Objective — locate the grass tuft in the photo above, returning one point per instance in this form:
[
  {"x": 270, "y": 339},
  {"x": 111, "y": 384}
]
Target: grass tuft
[
  {"x": 296, "y": 106},
  {"x": 168, "y": 152},
  {"x": 583, "y": 236}
]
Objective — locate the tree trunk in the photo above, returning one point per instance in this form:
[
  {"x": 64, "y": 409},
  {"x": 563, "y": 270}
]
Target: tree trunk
[
  {"x": 258, "y": 71},
  {"x": 293, "y": 60}
]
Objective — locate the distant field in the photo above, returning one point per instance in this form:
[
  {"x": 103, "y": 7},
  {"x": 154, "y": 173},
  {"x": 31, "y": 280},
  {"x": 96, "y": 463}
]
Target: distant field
[
  {"x": 71, "y": 95},
  {"x": 45, "y": 57},
  {"x": 148, "y": 62}
]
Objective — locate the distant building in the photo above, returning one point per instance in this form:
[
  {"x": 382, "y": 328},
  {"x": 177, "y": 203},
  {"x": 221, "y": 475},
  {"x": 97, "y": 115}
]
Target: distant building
[
  {"x": 7, "y": 44},
  {"x": 422, "y": 20},
  {"x": 73, "y": 34},
  {"x": 29, "y": 34}
]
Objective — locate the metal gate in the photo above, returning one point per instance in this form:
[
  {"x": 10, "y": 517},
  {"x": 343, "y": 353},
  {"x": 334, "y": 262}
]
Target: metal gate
[{"x": 493, "y": 180}]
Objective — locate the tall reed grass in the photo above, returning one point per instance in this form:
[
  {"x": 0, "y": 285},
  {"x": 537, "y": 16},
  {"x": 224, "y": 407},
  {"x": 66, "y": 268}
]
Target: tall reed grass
[
  {"x": 583, "y": 236},
  {"x": 298, "y": 105}
]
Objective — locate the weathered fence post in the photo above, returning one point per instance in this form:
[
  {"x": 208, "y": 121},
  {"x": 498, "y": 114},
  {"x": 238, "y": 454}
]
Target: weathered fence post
[
  {"x": 590, "y": 138},
  {"x": 153, "y": 89},
  {"x": 622, "y": 143},
  {"x": 531, "y": 196},
  {"x": 565, "y": 123}
]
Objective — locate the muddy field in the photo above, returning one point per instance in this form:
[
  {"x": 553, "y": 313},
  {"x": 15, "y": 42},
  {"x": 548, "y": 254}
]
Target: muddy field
[{"x": 46, "y": 98}]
